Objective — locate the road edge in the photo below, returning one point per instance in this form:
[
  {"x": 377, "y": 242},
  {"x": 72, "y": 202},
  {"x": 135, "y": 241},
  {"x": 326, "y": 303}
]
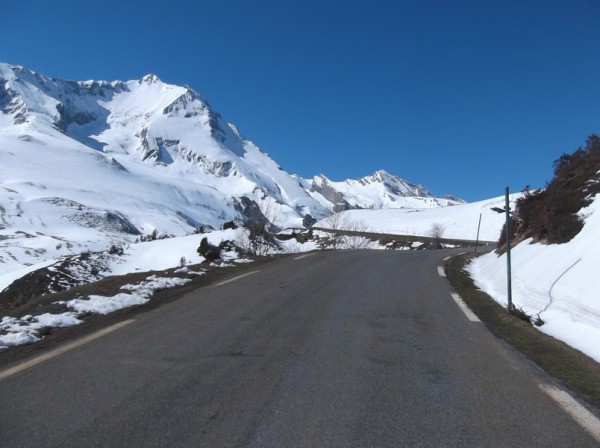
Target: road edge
[{"x": 572, "y": 369}]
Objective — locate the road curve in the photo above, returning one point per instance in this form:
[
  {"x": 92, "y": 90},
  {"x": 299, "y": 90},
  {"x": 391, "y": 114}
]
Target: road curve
[{"x": 334, "y": 349}]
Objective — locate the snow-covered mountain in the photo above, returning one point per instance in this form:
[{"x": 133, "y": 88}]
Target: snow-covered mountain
[
  {"x": 85, "y": 165},
  {"x": 377, "y": 191},
  {"x": 151, "y": 134}
]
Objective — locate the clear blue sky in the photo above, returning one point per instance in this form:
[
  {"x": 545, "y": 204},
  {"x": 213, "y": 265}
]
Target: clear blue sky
[{"x": 464, "y": 97}]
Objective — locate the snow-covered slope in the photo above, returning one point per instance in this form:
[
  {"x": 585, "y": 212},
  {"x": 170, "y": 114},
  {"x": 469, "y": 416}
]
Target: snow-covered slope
[
  {"x": 557, "y": 282},
  {"x": 86, "y": 164},
  {"x": 377, "y": 191},
  {"x": 459, "y": 221}
]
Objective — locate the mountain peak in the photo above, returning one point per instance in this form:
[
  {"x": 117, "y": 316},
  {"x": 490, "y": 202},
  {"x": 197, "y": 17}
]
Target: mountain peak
[
  {"x": 381, "y": 173},
  {"x": 6, "y": 70},
  {"x": 378, "y": 190},
  {"x": 149, "y": 79}
]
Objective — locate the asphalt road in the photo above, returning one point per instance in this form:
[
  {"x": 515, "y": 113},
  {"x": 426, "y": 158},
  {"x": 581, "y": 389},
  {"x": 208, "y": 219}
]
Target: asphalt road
[{"x": 336, "y": 349}]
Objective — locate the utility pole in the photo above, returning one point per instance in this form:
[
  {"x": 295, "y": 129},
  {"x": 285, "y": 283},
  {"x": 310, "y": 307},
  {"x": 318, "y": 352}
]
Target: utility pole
[{"x": 508, "y": 266}]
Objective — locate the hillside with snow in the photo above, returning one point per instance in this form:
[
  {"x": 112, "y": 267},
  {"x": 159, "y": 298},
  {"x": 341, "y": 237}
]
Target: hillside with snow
[
  {"x": 88, "y": 165},
  {"x": 556, "y": 282},
  {"x": 457, "y": 220},
  {"x": 154, "y": 150},
  {"x": 85, "y": 165},
  {"x": 381, "y": 190},
  {"x": 556, "y": 258},
  {"x": 91, "y": 166}
]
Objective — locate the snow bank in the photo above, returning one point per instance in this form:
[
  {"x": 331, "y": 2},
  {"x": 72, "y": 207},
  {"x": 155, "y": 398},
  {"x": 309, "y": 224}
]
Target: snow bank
[
  {"x": 25, "y": 330},
  {"x": 139, "y": 295},
  {"x": 292, "y": 246},
  {"x": 557, "y": 281},
  {"x": 14, "y": 331}
]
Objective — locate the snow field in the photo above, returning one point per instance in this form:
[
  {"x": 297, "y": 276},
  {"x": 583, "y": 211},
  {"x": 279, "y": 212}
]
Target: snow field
[{"x": 458, "y": 221}]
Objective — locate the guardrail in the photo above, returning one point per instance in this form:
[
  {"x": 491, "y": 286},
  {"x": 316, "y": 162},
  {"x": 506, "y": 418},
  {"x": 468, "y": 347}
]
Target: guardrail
[{"x": 405, "y": 238}]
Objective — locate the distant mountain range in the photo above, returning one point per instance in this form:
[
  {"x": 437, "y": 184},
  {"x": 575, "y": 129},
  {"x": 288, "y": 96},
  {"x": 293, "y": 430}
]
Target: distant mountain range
[
  {"x": 380, "y": 190},
  {"x": 88, "y": 162}
]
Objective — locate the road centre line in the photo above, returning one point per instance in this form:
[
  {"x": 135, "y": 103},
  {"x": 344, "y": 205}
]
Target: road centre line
[
  {"x": 303, "y": 256},
  {"x": 465, "y": 309},
  {"x": 224, "y": 282},
  {"x": 60, "y": 350},
  {"x": 441, "y": 271},
  {"x": 581, "y": 415}
]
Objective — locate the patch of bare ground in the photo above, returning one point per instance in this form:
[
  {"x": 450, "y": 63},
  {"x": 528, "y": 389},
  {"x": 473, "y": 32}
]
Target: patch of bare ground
[{"x": 109, "y": 286}]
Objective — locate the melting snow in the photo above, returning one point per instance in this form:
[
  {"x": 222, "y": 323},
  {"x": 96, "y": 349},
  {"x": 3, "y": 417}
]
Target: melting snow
[
  {"x": 138, "y": 295},
  {"x": 26, "y": 329}
]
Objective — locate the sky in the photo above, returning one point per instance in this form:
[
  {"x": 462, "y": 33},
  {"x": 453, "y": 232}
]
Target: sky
[{"x": 463, "y": 97}]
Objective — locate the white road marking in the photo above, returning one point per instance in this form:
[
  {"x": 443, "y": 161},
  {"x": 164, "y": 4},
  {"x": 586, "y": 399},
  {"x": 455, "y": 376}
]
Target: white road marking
[
  {"x": 447, "y": 258},
  {"x": 581, "y": 415},
  {"x": 441, "y": 271},
  {"x": 224, "y": 282},
  {"x": 60, "y": 350},
  {"x": 303, "y": 256},
  {"x": 465, "y": 309}
]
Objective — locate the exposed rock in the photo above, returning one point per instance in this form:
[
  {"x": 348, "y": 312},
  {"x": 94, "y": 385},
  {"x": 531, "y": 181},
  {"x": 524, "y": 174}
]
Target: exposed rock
[
  {"x": 251, "y": 212},
  {"x": 331, "y": 194},
  {"x": 308, "y": 221}
]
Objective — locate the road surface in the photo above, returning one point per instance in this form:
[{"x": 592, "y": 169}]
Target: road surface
[{"x": 333, "y": 349}]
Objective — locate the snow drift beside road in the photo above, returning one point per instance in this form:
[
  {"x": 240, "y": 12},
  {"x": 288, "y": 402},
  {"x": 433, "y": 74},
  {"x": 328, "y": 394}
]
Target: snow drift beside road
[{"x": 557, "y": 282}]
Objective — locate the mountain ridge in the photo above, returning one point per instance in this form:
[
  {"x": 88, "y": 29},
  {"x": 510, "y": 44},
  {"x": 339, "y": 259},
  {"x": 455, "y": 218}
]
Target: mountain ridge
[
  {"x": 375, "y": 191},
  {"x": 87, "y": 164}
]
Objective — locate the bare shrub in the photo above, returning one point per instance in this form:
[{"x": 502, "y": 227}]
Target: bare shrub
[
  {"x": 255, "y": 239},
  {"x": 436, "y": 233},
  {"x": 356, "y": 242},
  {"x": 552, "y": 215},
  {"x": 341, "y": 223},
  {"x": 336, "y": 222}
]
